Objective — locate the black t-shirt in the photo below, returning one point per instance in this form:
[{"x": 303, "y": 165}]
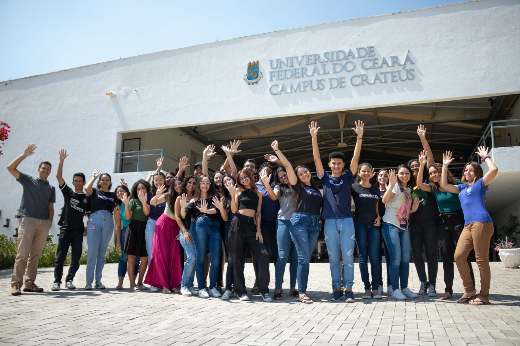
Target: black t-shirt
[
  {"x": 428, "y": 211},
  {"x": 310, "y": 200},
  {"x": 100, "y": 200},
  {"x": 74, "y": 208},
  {"x": 366, "y": 201},
  {"x": 381, "y": 206},
  {"x": 193, "y": 212}
]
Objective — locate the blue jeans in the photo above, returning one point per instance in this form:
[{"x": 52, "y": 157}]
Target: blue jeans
[
  {"x": 304, "y": 233},
  {"x": 286, "y": 251},
  {"x": 367, "y": 239},
  {"x": 340, "y": 235},
  {"x": 398, "y": 243},
  {"x": 100, "y": 228},
  {"x": 121, "y": 268},
  {"x": 148, "y": 234},
  {"x": 207, "y": 236},
  {"x": 188, "y": 274}
]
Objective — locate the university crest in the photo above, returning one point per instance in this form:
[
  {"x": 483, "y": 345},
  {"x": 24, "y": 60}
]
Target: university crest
[{"x": 253, "y": 75}]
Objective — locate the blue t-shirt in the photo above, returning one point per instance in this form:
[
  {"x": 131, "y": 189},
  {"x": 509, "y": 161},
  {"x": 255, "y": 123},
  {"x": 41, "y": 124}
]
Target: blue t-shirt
[
  {"x": 269, "y": 207},
  {"x": 472, "y": 202},
  {"x": 336, "y": 195},
  {"x": 155, "y": 210}
]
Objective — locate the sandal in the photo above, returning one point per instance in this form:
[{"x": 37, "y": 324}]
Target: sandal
[
  {"x": 137, "y": 288},
  {"x": 278, "y": 296},
  {"x": 478, "y": 301},
  {"x": 143, "y": 288},
  {"x": 166, "y": 291},
  {"x": 304, "y": 299},
  {"x": 467, "y": 299},
  {"x": 119, "y": 287},
  {"x": 446, "y": 296},
  {"x": 295, "y": 293}
]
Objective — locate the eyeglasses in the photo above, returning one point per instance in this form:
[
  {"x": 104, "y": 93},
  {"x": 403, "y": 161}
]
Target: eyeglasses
[
  {"x": 204, "y": 183},
  {"x": 415, "y": 166},
  {"x": 243, "y": 178},
  {"x": 283, "y": 176},
  {"x": 249, "y": 166}
]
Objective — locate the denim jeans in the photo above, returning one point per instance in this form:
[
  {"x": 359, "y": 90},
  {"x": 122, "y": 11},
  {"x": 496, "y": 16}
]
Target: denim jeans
[
  {"x": 340, "y": 235},
  {"x": 383, "y": 250},
  {"x": 188, "y": 273},
  {"x": 304, "y": 233},
  {"x": 100, "y": 228},
  {"x": 121, "y": 268},
  {"x": 148, "y": 234},
  {"x": 398, "y": 243},
  {"x": 367, "y": 239},
  {"x": 286, "y": 251},
  {"x": 207, "y": 236}
]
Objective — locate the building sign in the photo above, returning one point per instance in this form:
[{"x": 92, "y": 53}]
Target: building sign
[{"x": 314, "y": 72}]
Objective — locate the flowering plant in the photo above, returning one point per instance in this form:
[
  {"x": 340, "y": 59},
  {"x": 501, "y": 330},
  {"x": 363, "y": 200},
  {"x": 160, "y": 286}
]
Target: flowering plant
[
  {"x": 4, "y": 133},
  {"x": 505, "y": 244}
]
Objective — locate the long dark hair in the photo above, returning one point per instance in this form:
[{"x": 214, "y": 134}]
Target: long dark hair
[
  {"x": 211, "y": 190},
  {"x": 267, "y": 165},
  {"x": 186, "y": 183},
  {"x": 299, "y": 185},
  {"x": 116, "y": 202},
  {"x": 153, "y": 189},
  {"x": 249, "y": 173},
  {"x": 285, "y": 190},
  {"x": 99, "y": 179},
  {"x": 438, "y": 167},
  {"x": 411, "y": 182},
  {"x": 225, "y": 192},
  {"x": 172, "y": 194},
  {"x": 136, "y": 184},
  {"x": 357, "y": 178}
]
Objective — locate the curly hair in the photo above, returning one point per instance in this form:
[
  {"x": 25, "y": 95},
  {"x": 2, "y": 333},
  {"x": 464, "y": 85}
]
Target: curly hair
[
  {"x": 117, "y": 202},
  {"x": 136, "y": 184},
  {"x": 438, "y": 168}
]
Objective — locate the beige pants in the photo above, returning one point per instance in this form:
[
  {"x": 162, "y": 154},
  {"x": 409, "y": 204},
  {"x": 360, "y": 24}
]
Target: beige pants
[
  {"x": 32, "y": 235},
  {"x": 475, "y": 235}
]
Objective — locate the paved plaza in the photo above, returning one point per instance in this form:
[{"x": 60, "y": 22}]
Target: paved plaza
[{"x": 110, "y": 317}]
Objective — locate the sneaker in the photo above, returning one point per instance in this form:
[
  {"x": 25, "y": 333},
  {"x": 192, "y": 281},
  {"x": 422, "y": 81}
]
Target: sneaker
[
  {"x": 215, "y": 293},
  {"x": 99, "y": 285},
  {"x": 423, "y": 288},
  {"x": 243, "y": 297},
  {"x": 193, "y": 291},
  {"x": 367, "y": 294},
  {"x": 376, "y": 294},
  {"x": 203, "y": 293},
  {"x": 349, "y": 296},
  {"x": 56, "y": 286},
  {"x": 31, "y": 287},
  {"x": 380, "y": 289},
  {"x": 389, "y": 289},
  {"x": 336, "y": 296},
  {"x": 255, "y": 291},
  {"x": 408, "y": 293},
  {"x": 88, "y": 287},
  {"x": 154, "y": 289},
  {"x": 15, "y": 290},
  {"x": 226, "y": 295},
  {"x": 266, "y": 297},
  {"x": 70, "y": 285},
  {"x": 431, "y": 291},
  {"x": 185, "y": 291},
  {"x": 398, "y": 295}
]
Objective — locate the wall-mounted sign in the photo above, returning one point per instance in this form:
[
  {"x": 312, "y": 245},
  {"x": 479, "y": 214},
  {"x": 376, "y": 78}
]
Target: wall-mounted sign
[{"x": 253, "y": 75}]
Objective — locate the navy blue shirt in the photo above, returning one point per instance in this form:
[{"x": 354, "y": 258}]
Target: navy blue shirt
[
  {"x": 309, "y": 201},
  {"x": 336, "y": 195},
  {"x": 269, "y": 207},
  {"x": 155, "y": 210},
  {"x": 472, "y": 201}
]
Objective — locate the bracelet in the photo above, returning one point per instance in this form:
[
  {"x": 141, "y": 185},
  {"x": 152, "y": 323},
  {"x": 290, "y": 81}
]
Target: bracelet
[
  {"x": 359, "y": 138},
  {"x": 484, "y": 158}
]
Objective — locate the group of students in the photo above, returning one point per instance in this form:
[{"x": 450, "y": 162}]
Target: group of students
[{"x": 278, "y": 217}]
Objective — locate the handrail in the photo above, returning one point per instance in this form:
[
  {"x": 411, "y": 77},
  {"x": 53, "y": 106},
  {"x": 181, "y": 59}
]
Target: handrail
[
  {"x": 132, "y": 154},
  {"x": 489, "y": 131}
]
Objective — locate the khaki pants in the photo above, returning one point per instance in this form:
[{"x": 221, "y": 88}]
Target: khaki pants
[
  {"x": 32, "y": 235},
  {"x": 475, "y": 235}
]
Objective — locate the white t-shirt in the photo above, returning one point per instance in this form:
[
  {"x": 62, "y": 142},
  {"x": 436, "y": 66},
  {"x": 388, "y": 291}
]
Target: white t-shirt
[{"x": 398, "y": 209}]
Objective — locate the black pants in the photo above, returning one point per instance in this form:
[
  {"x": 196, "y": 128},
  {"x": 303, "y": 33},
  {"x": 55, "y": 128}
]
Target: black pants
[
  {"x": 223, "y": 235},
  {"x": 242, "y": 236},
  {"x": 268, "y": 229},
  {"x": 425, "y": 234},
  {"x": 74, "y": 239},
  {"x": 450, "y": 227}
]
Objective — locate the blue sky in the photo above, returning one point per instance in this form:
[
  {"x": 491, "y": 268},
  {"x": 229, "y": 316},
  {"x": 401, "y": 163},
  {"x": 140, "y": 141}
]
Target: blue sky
[{"x": 45, "y": 36}]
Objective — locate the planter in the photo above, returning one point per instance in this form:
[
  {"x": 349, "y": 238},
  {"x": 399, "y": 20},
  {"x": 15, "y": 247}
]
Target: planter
[{"x": 510, "y": 257}]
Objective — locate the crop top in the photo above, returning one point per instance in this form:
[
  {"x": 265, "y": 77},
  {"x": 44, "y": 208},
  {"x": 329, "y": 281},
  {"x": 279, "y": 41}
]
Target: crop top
[{"x": 248, "y": 200}]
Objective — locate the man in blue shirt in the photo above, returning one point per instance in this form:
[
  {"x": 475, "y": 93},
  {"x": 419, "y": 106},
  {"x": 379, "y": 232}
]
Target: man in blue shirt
[{"x": 339, "y": 225}]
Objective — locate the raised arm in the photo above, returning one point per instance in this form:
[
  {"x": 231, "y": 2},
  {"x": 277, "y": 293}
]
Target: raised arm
[
  {"x": 422, "y": 161},
  {"x": 183, "y": 164},
  {"x": 446, "y": 160},
  {"x": 126, "y": 202},
  {"x": 313, "y": 128},
  {"x": 357, "y": 150},
  {"x": 288, "y": 167},
  {"x": 229, "y": 159},
  {"x": 492, "y": 168},
  {"x": 233, "y": 146},
  {"x": 258, "y": 218},
  {"x": 208, "y": 152},
  {"x": 219, "y": 204},
  {"x": 234, "y": 198},
  {"x": 266, "y": 179},
  {"x": 421, "y": 131},
  {"x": 88, "y": 187},
  {"x": 143, "y": 198},
  {"x": 184, "y": 203},
  {"x": 392, "y": 180},
  {"x": 160, "y": 196},
  {"x": 12, "y": 167},
  {"x": 59, "y": 173}
]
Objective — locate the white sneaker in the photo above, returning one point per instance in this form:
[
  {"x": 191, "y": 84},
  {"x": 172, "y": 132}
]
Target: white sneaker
[
  {"x": 266, "y": 297},
  {"x": 203, "y": 293},
  {"x": 408, "y": 293},
  {"x": 154, "y": 289},
  {"x": 193, "y": 291},
  {"x": 186, "y": 292},
  {"x": 56, "y": 286},
  {"x": 398, "y": 295},
  {"x": 243, "y": 297},
  {"x": 70, "y": 285},
  {"x": 422, "y": 290},
  {"x": 431, "y": 291},
  {"x": 226, "y": 295},
  {"x": 88, "y": 287},
  {"x": 215, "y": 293},
  {"x": 99, "y": 285},
  {"x": 390, "y": 289}
]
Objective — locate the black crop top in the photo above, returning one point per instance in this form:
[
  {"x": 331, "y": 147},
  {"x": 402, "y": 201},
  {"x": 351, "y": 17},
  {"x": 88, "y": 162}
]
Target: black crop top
[{"x": 248, "y": 200}]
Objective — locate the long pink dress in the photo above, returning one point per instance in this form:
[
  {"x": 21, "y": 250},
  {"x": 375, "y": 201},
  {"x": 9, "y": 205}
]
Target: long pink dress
[{"x": 165, "y": 266}]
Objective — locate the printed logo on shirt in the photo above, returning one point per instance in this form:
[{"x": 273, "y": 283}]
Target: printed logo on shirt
[
  {"x": 105, "y": 197},
  {"x": 311, "y": 191},
  {"x": 368, "y": 195}
]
